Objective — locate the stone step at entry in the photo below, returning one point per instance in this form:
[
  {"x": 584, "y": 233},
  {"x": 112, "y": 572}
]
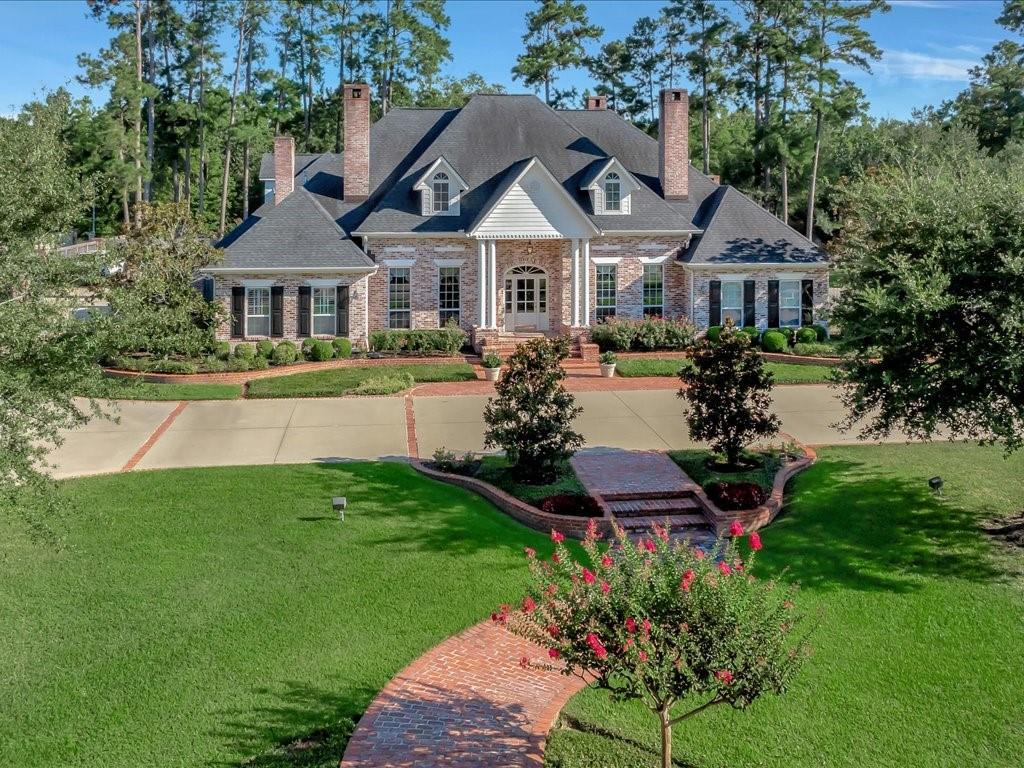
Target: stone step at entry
[
  {"x": 676, "y": 522},
  {"x": 648, "y": 507}
]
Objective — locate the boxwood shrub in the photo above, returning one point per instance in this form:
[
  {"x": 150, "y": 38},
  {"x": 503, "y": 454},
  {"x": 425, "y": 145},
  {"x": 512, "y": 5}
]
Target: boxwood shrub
[
  {"x": 646, "y": 335},
  {"x": 245, "y": 351},
  {"x": 822, "y": 332},
  {"x": 774, "y": 341},
  {"x": 342, "y": 347},
  {"x": 320, "y": 351},
  {"x": 265, "y": 348},
  {"x": 284, "y": 353},
  {"x": 714, "y": 332},
  {"x": 221, "y": 350},
  {"x": 815, "y": 350},
  {"x": 435, "y": 341},
  {"x": 806, "y": 335}
]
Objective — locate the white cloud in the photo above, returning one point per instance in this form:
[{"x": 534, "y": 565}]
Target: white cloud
[{"x": 919, "y": 66}]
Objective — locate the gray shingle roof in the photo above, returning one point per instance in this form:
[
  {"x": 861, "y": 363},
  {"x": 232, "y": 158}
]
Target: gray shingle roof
[{"x": 739, "y": 231}]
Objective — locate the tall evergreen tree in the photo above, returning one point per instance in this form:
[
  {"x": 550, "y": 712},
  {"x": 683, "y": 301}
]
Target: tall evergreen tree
[
  {"x": 645, "y": 64},
  {"x": 610, "y": 68},
  {"x": 556, "y": 34}
]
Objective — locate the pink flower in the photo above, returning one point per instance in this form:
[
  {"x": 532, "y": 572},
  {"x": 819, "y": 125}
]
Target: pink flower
[
  {"x": 588, "y": 576},
  {"x": 661, "y": 532},
  {"x": 555, "y": 558},
  {"x": 631, "y": 625},
  {"x": 738, "y": 565},
  {"x": 557, "y": 536},
  {"x": 724, "y": 568},
  {"x": 524, "y": 662},
  {"x": 529, "y": 606},
  {"x": 647, "y": 627},
  {"x": 724, "y": 675},
  {"x": 643, "y": 655},
  {"x": 606, "y": 587},
  {"x": 628, "y": 644},
  {"x": 649, "y": 545},
  {"x": 595, "y": 645},
  {"x": 688, "y": 578},
  {"x": 606, "y": 561},
  {"x": 553, "y": 653},
  {"x": 502, "y": 615},
  {"x": 591, "y": 529},
  {"x": 698, "y": 553},
  {"x": 553, "y": 630},
  {"x": 755, "y": 541},
  {"x": 530, "y": 552},
  {"x": 551, "y": 589},
  {"x": 736, "y": 529}
]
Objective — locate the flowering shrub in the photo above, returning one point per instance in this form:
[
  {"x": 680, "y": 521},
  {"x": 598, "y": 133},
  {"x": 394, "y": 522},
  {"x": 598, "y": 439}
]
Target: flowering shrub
[
  {"x": 662, "y": 621},
  {"x": 651, "y": 333},
  {"x": 737, "y": 495},
  {"x": 573, "y": 504}
]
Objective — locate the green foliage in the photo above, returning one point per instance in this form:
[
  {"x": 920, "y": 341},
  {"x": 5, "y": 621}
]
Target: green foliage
[
  {"x": 752, "y": 332},
  {"x": 821, "y": 331},
  {"x": 342, "y": 347},
  {"x": 661, "y": 622},
  {"x": 531, "y": 415},
  {"x": 491, "y": 360},
  {"x": 774, "y": 341},
  {"x": 932, "y": 309},
  {"x": 648, "y": 334},
  {"x": 806, "y": 335},
  {"x": 815, "y": 350},
  {"x": 446, "y": 341},
  {"x": 321, "y": 350},
  {"x": 385, "y": 384},
  {"x": 221, "y": 350},
  {"x": 729, "y": 394},
  {"x": 556, "y": 31},
  {"x": 265, "y": 348},
  {"x": 285, "y": 353},
  {"x": 713, "y": 333},
  {"x": 244, "y": 351},
  {"x": 608, "y": 358}
]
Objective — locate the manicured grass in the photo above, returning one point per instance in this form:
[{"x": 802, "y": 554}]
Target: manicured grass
[
  {"x": 341, "y": 381},
  {"x": 216, "y": 616},
  {"x": 127, "y": 389},
  {"x": 692, "y": 463},
  {"x": 917, "y": 658},
  {"x": 495, "y": 470},
  {"x": 785, "y": 373}
]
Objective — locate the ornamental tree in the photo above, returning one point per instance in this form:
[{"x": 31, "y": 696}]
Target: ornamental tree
[
  {"x": 729, "y": 393},
  {"x": 664, "y": 622},
  {"x": 531, "y": 417}
]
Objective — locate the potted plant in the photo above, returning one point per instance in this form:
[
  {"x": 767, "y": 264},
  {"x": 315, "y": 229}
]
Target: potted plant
[
  {"x": 492, "y": 366},
  {"x": 607, "y": 361}
]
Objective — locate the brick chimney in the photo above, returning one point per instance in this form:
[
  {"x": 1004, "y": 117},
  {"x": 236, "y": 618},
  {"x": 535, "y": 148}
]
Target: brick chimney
[
  {"x": 674, "y": 143},
  {"x": 597, "y": 102},
  {"x": 357, "y": 142},
  {"x": 284, "y": 167}
]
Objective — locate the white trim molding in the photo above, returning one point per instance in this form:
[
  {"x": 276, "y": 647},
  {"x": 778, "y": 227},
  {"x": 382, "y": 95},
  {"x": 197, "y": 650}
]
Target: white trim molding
[
  {"x": 448, "y": 262},
  {"x": 398, "y": 263},
  {"x": 605, "y": 259},
  {"x": 321, "y": 282},
  {"x": 654, "y": 259},
  {"x": 399, "y": 249},
  {"x": 258, "y": 283}
]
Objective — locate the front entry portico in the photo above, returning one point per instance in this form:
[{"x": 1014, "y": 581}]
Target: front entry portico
[{"x": 526, "y": 299}]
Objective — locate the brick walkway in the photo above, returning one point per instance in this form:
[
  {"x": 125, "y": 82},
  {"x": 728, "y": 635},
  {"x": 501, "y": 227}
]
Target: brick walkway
[
  {"x": 465, "y": 703},
  {"x": 613, "y": 472}
]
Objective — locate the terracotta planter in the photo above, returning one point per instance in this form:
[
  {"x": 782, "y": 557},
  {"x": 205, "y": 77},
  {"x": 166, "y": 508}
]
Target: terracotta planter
[
  {"x": 607, "y": 370},
  {"x": 492, "y": 374}
]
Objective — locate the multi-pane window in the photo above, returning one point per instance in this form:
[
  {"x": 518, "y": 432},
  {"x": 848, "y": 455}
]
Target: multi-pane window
[
  {"x": 732, "y": 302},
  {"x": 605, "y": 306},
  {"x": 789, "y": 303},
  {"x": 442, "y": 192},
  {"x": 399, "y": 298},
  {"x": 612, "y": 192},
  {"x": 257, "y": 311},
  {"x": 325, "y": 310},
  {"x": 654, "y": 290},
  {"x": 448, "y": 298}
]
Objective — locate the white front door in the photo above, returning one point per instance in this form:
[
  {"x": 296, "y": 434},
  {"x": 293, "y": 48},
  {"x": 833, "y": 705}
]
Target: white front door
[{"x": 526, "y": 300}]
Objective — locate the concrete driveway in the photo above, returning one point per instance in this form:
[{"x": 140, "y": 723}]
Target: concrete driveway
[{"x": 218, "y": 433}]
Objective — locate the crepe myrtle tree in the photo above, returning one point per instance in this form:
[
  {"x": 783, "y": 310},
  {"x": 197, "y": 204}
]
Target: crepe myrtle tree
[
  {"x": 729, "y": 393},
  {"x": 531, "y": 417},
  {"x": 661, "y": 621}
]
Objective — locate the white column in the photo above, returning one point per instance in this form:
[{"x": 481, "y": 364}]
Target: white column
[
  {"x": 575, "y": 272},
  {"x": 586, "y": 283},
  {"x": 482, "y": 280},
  {"x": 494, "y": 284}
]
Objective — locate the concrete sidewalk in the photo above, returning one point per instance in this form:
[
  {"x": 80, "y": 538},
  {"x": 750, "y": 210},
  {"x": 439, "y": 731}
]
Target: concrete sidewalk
[{"x": 241, "y": 432}]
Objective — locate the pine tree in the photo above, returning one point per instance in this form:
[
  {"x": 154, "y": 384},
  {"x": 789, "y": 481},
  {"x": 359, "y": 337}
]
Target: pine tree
[
  {"x": 557, "y": 31},
  {"x": 610, "y": 68},
  {"x": 645, "y": 61}
]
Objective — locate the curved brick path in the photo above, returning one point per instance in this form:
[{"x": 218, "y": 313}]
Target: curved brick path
[{"x": 466, "y": 702}]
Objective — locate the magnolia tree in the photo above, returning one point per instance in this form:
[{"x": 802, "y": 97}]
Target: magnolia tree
[
  {"x": 531, "y": 417},
  {"x": 729, "y": 393},
  {"x": 664, "y": 622}
]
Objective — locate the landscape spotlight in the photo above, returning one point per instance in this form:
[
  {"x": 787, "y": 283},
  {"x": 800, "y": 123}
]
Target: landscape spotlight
[
  {"x": 936, "y": 484},
  {"x": 339, "y": 503}
]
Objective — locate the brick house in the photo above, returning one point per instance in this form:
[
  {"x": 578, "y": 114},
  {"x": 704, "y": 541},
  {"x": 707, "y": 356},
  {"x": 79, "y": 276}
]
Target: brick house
[{"x": 508, "y": 218}]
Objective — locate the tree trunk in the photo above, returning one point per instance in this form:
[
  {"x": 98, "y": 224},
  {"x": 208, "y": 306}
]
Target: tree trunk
[
  {"x": 666, "y": 738},
  {"x": 150, "y": 105},
  {"x": 231, "y": 122},
  {"x": 705, "y": 121},
  {"x": 784, "y": 171},
  {"x": 339, "y": 127},
  {"x": 246, "y": 148},
  {"x": 138, "y": 113}
]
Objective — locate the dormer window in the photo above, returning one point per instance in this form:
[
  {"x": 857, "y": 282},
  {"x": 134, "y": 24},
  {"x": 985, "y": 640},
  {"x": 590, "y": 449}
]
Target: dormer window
[
  {"x": 612, "y": 192},
  {"x": 442, "y": 192}
]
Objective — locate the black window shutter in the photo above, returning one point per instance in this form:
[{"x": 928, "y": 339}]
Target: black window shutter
[
  {"x": 807, "y": 303},
  {"x": 305, "y": 308},
  {"x": 748, "y": 303},
  {"x": 773, "y": 303},
  {"x": 277, "y": 310},
  {"x": 715, "y": 302},
  {"x": 237, "y": 311},
  {"x": 342, "y": 329},
  {"x": 208, "y": 288}
]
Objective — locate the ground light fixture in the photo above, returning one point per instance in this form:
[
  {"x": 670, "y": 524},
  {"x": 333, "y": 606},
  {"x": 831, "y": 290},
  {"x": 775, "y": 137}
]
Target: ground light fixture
[
  {"x": 339, "y": 503},
  {"x": 935, "y": 484}
]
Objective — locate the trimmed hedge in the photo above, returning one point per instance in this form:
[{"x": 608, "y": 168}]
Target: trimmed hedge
[
  {"x": 815, "y": 350},
  {"x": 647, "y": 335},
  {"x": 245, "y": 351},
  {"x": 774, "y": 341},
  {"x": 342, "y": 348},
  {"x": 284, "y": 354},
  {"x": 806, "y": 335},
  {"x": 320, "y": 351},
  {"x": 265, "y": 348},
  {"x": 436, "y": 341},
  {"x": 822, "y": 332},
  {"x": 221, "y": 350},
  {"x": 714, "y": 332}
]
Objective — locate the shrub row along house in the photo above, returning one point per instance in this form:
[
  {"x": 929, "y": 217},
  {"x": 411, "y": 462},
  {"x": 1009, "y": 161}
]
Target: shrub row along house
[{"x": 507, "y": 218}]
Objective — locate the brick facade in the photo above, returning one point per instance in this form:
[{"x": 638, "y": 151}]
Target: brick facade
[
  {"x": 356, "y": 158},
  {"x": 674, "y": 143},
  {"x": 760, "y": 275}
]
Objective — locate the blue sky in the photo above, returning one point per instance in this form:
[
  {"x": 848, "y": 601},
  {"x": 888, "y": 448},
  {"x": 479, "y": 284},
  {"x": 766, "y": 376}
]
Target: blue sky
[{"x": 928, "y": 45}]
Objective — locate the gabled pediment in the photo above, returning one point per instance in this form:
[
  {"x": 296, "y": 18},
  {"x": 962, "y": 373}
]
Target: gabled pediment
[
  {"x": 443, "y": 166},
  {"x": 530, "y": 203},
  {"x": 599, "y": 169}
]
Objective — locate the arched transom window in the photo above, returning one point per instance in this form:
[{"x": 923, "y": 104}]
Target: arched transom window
[
  {"x": 442, "y": 192},
  {"x": 612, "y": 192}
]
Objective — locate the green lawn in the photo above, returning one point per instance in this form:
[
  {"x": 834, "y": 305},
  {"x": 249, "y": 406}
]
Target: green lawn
[
  {"x": 208, "y": 617},
  {"x": 340, "y": 381},
  {"x": 917, "y": 661},
  {"x": 785, "y": 373},
  {"x": 127, "y": 389}
]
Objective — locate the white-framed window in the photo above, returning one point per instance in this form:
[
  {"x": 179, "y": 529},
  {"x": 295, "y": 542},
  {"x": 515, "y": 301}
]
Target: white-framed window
[
  {"x": 449, "y": 297},
  {"x": 399, "y": 297},
  {"x": 606, "y": 291},
  {"x": 612, "y": 192},
  {"x": 441, "y": 187},
  {"x": 325, "y": 310},
  {"x": 257, "y": 311},
  {"x": 654, "y": 290},
  {"x": 789, "y": 303},
  {"x": 732, "y": 302}
]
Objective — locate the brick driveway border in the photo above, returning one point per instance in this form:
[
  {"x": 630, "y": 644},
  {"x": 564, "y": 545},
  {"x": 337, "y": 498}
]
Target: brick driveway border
[{"x": 467, "y": 702}]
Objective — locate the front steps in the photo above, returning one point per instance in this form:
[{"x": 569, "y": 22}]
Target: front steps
[{"x": 504, "y": 343}]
